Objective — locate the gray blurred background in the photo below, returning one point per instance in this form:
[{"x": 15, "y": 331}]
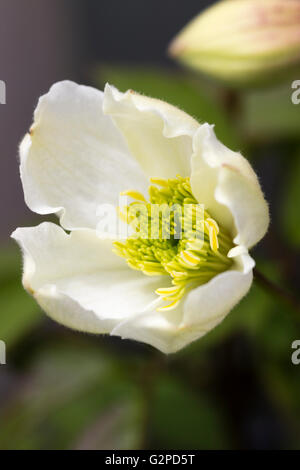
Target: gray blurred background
[{"x": 44, "y": 41}]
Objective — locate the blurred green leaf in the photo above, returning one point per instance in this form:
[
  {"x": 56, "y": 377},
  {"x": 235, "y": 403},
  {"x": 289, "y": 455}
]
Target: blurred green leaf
[
  {"x": 194, "y": 97},
  {"x": 182, "y": 419},
  {"x": 283, "y": 384},
  {"x": 71, "y": 393},
  {"x": 290, "y": 204},
  {"x": 19, "y": 313},
  {"x": 11, "y": 264},
  {"x": 271, "y": 115},
  {"x": 260, "y": 315}
]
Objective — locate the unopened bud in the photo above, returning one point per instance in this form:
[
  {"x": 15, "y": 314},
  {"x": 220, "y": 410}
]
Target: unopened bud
[{"x": 242, "y": 41}]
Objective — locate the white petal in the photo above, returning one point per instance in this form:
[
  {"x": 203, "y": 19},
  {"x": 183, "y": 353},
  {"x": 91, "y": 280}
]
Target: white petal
[
  {"x": 207, "y": 305},
  {"x": 79, "y": 281},
  {"x": 225, "y": 182},
  {"x": 155, "y": 328},
  {"x": 247, "y": 204},
  {"x": 74, "y": 158},
  {"x": 236, "y": 251},
  {"x": 203, "y": 309},
  {"x": 162, "y": 331},
  {"x": 158, "y": 134}
]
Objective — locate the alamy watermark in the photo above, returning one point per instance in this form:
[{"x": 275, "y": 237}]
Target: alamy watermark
[
  {"x": 2, "y": 92},
  {"x": 295, "y": 97},
  {"x": 152, "y": 221},
  {"x": 295, "y": 357},
  {"x": 2, "y": 353}
]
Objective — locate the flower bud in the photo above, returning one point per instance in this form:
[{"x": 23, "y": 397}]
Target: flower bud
[{"x": 243, "y": 41}]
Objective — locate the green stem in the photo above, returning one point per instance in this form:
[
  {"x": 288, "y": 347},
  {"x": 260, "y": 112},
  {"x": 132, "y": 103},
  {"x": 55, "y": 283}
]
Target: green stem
[
  {"x": 231, "y": 99},
  {"x": 282, "y": 294}
]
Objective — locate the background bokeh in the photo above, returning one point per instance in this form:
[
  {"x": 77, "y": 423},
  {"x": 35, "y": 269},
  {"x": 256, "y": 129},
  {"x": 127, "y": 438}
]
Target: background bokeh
[{"x": 235, "y": 388}]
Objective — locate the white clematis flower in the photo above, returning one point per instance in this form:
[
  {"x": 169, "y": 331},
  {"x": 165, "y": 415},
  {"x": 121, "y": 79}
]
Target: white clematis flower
[{"x": 84, "y": 149}]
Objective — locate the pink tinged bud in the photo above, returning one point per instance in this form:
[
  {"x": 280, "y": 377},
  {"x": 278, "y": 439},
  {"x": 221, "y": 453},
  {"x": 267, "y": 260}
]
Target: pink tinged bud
[{"x": 242, "y": 41}]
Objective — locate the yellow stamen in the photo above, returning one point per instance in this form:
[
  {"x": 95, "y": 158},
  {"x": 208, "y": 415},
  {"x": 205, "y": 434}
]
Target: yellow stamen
[
  {"x": 213, "y": 231},
  {"x": 160, "y": 182},
  {"x": 213, "y": 223},
  {"x": 190, "y": 259},
  {"x": 135, "y": 195},
  {"x": 123, "y": 216},
  {"x": 168, "y": 307},
  {"x": 167, "y": 290}
]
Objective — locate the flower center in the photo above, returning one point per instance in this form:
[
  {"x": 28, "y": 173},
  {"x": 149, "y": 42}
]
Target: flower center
[{"x": 173, "y": 235}]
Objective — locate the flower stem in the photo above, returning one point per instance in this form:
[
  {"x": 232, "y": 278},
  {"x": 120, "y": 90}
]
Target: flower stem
[
  {"x": 282, "y": 294},
  {"x": 232, "y": 103}
]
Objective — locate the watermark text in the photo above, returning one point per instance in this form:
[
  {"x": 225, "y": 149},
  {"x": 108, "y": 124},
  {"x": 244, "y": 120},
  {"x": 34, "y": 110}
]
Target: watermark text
[
  {"x": 2, "y": 92},
  {"x": 296, "y": 94},
  {"x": 2, "y": 353}
]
